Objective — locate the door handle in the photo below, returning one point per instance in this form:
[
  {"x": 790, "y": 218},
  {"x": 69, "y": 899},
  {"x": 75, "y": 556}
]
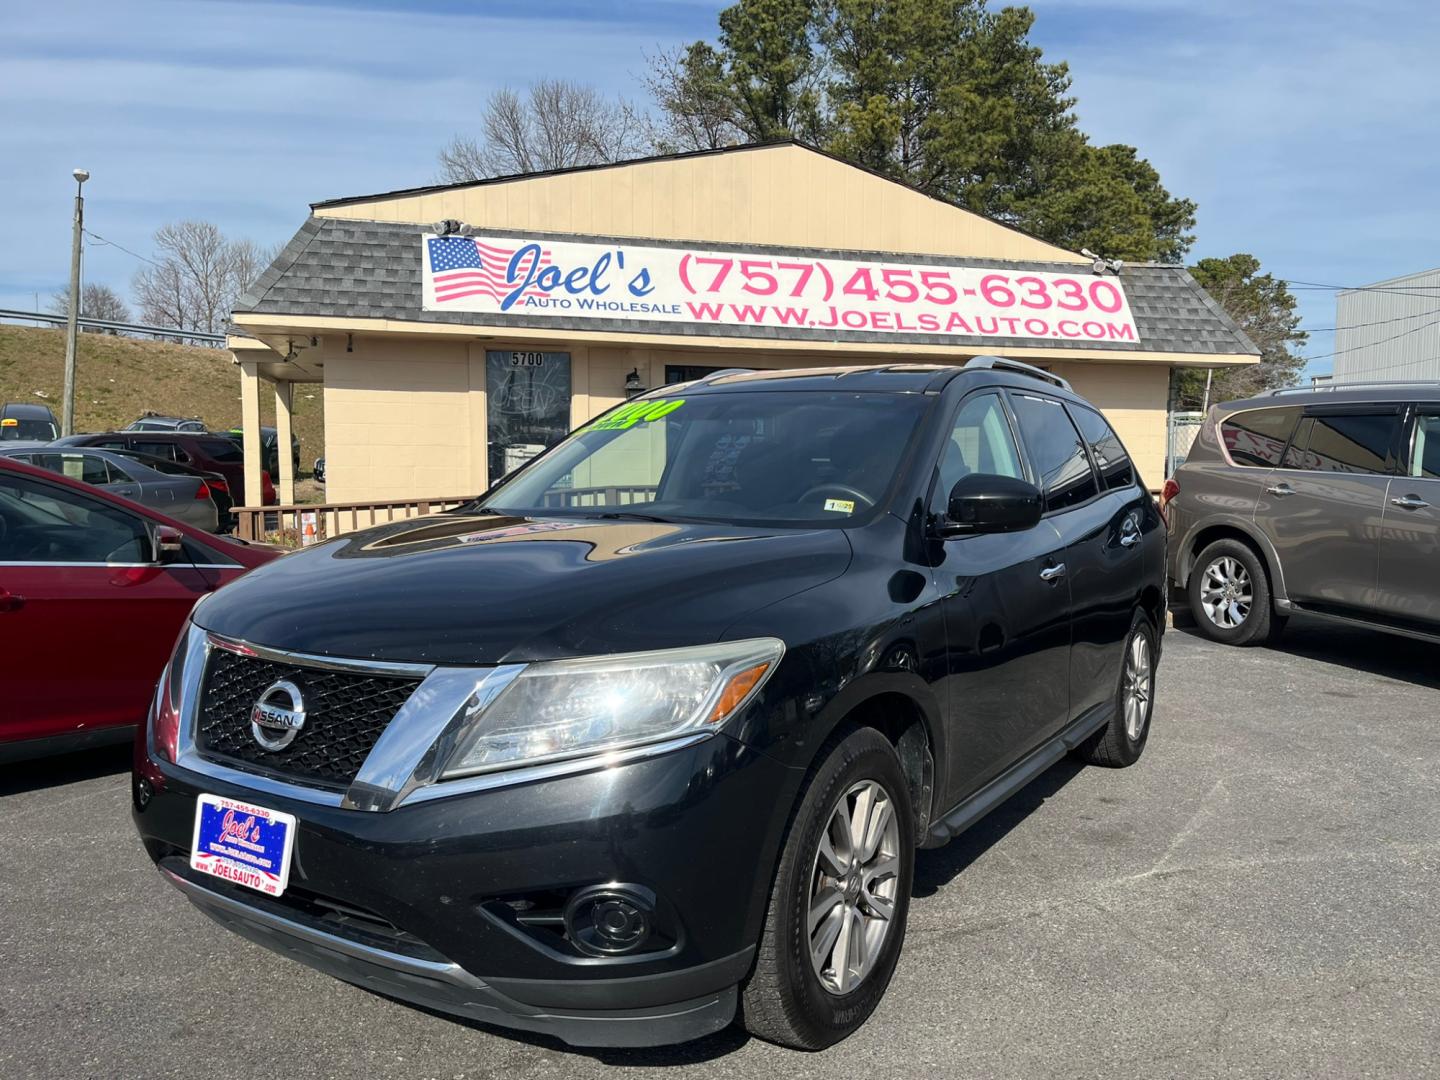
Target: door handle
[
  {"x": 1280, "y": 490},
  {"x": 10, "y": 602},
  {"x": 1410, "y": 502},
  {"x": 1053, "y": 573}
]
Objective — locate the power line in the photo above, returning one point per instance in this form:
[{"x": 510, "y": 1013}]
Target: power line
[
  {"x": 1377, "y": 322},
  {"x": 112, "y": 243},
  {"x": 1372, "y": 344},
  {"x": 1387, "y": 368},
  {"x": 1403, "y": 290}
]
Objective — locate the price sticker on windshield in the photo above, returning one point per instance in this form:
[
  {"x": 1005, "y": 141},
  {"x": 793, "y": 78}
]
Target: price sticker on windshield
[
  {"x": 840, "y": 506},
  {"x": 639, "y": 412}
]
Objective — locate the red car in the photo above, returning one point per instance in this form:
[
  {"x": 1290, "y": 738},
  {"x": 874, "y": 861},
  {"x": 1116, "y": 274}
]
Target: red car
[{"x": 93, "y": 590}]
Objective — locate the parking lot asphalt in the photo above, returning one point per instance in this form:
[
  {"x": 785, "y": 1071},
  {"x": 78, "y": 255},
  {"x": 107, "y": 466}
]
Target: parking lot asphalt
[{"x": 1257, "y": 897}]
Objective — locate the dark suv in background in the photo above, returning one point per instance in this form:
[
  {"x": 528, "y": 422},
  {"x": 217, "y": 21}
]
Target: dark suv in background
[
  {"x": 21, "y": 421},
  {"x": 1324, "y": 501},
  {"x": 652, "y": 729}
]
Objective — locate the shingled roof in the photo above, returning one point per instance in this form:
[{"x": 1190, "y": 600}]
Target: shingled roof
[{"x": 372, "y": 270}]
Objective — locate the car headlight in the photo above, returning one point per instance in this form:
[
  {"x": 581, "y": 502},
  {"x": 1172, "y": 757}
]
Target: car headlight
[{"x": 571, "y": 708}]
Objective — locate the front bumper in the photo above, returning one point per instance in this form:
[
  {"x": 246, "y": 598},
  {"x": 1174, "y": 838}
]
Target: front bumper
[{"x": 429, "y": 883}]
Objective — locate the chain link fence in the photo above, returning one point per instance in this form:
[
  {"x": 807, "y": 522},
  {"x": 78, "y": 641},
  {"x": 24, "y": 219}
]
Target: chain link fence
[{"x": 1182, "y": 430}]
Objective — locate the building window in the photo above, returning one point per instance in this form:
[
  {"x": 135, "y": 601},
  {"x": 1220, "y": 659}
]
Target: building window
[
  {"x": 528, "y": 406},
  {"x": 677, "y": 373}
]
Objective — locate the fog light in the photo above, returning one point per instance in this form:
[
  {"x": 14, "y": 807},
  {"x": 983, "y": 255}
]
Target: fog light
[{"x": 608, "y": 920}]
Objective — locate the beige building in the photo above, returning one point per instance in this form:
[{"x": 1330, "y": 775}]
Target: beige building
[{"x": 458, "y": 330}]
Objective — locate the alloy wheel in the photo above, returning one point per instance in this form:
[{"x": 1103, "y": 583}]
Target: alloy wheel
[
  {"x": 1137, "y": 685},
  {"x": 852, "y": 887},
  {"x": 1226, "y": 592}
]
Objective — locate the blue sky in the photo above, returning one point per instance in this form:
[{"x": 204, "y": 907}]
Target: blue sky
[{"x": 1306, "y": 131}]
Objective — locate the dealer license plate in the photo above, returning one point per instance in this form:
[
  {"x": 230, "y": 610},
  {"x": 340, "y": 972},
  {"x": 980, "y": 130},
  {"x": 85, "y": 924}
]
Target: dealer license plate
[{"x": 243, "y": 843}]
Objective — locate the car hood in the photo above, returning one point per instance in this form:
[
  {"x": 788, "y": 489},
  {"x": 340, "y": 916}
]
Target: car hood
[{"x": 487, "y": 589}]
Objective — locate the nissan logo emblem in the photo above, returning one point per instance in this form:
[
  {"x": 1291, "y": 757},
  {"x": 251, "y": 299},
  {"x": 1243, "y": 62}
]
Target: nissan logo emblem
[{"x": 278, "y": 716}]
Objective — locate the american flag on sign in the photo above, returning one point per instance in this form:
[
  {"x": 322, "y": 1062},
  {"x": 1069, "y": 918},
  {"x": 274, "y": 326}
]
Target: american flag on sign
[{"x": 462, "y": 266}]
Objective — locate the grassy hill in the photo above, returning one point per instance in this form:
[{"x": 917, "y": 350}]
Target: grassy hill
[{"x": 117, "y": 379}]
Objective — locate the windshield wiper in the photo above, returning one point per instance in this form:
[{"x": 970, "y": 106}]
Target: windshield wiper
[{"x": 618, "y": 515}]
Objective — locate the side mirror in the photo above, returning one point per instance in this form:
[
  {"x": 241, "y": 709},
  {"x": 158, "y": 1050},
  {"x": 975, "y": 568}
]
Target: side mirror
[
  {"x": 169, "y": 544},
  {"x": 985, "y": 503}
]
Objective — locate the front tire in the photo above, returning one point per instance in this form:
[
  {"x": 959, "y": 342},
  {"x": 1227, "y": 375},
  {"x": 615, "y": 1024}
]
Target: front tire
[
  {"x": 838, "y": 907},
  {"x": 1229, "y": 593}
]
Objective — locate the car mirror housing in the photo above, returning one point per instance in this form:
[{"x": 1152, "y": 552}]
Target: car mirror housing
[
  {"x": 986, "y": 503},
  {"x": 169, "y": 543}
]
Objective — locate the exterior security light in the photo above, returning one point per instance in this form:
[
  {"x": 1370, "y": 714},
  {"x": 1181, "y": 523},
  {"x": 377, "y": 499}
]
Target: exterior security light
[
  {"x": 633, "y": 386},
  {"x": 81, "y": 175}
]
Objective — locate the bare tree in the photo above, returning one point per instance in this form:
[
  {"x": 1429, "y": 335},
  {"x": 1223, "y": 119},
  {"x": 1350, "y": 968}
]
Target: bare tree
[
  {"x": 692, "y": 90},
  {"x": 558, "y": 124},
  {"x": 96, "y": 302},
  {"x": 248, "y": 260},
  {"x": 196, "y": 276}
]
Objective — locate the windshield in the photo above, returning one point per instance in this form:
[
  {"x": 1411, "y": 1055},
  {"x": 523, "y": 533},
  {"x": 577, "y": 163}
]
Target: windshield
[
  {"x": 768, "y": 457},
  {"x": 12, "y": 429}
]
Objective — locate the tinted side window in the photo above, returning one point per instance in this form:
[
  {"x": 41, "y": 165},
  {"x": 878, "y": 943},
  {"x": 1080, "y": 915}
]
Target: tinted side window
[
  {"x": 1258, "y": 436},
  {"x": 159, "y": 449},
  {"x": 980, "y": 442},
  {"x": 1110, "y": 456},
  {"x": 45, "y": 524},
  {"x": 1349, "y": 443},
  {"x": 222, "y": 450},
  {"x": 83, "y": 467},
  {"x": 1425, "y": 450},
  {"x": 1056, "y": 451}
]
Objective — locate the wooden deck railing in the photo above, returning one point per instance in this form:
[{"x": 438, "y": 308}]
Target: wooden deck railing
[
  {"x": 288, "y": 525},
  {"x": 611, "y": 495}
]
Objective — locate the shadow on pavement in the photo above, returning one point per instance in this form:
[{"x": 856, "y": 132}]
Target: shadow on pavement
[
  {"x": 21, "y": 776},
  {"x": 701, "y": 1050},
  {"x": 938, "y": 867},
  {"x": 1375, "y": 652}
]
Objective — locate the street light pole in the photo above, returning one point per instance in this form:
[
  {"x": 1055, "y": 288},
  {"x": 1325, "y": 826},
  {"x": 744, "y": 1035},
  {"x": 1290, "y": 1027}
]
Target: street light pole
[{"x": 67, "y": 408}]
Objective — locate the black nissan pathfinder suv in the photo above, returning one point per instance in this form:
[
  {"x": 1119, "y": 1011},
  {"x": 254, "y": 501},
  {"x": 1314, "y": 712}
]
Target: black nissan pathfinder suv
[{"x": 650, "y": 732}]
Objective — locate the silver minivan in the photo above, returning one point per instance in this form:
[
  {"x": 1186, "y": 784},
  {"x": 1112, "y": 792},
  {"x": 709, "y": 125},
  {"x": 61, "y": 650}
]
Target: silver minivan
[{"x": 1324, "y": 501}]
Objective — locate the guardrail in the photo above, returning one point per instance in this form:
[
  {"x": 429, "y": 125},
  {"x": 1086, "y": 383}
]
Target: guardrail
[{"x": 293, "y": 525}]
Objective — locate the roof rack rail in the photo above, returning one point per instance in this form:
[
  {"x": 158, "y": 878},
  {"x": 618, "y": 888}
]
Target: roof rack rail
[
  {"x": 1330, "y": 387},
  {"x": 722, "y": 373},
  {"x": 1000, "y": 363}
]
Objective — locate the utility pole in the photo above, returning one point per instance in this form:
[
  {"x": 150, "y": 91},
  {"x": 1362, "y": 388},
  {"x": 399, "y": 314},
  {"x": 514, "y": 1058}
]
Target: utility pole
[{"x": 67, "y": 409}]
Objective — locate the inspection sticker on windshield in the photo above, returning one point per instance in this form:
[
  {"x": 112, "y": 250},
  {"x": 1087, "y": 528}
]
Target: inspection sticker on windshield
[
  {"x": 244, "y": 844},
  {"x": 840, "y": 506}
]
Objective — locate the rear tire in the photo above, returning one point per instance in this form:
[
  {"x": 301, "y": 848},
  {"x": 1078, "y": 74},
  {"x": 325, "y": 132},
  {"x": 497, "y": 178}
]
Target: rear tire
[
  {"x": 827, "y": 886},
  {"x": 1121, "y": 742},
  {"x": 1229, "y": 594}
]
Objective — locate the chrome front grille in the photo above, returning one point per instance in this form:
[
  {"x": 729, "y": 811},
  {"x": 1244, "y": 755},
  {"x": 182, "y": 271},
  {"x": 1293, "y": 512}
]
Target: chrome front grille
[{"x": 345, "y": 713}]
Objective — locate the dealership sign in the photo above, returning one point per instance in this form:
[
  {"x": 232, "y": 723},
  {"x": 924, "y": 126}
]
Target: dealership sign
[{"x": 516, "y": 276}]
